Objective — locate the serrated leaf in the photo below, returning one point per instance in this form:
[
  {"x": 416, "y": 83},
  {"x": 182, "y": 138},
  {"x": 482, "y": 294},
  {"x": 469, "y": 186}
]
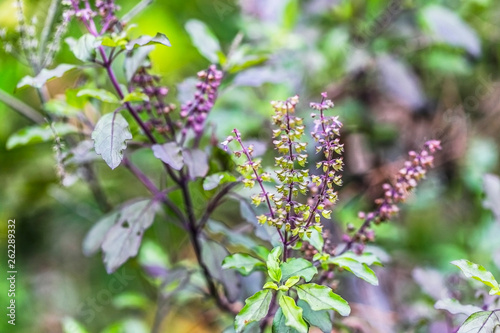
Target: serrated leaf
[
  {"x": 169, "y": 153},
  {"x": 135, "y": 96},
  {"x": 84, "y": 47},
  {"x": 242, "y": 262},
  {"x": 320, "y": 319},
  {"x": 279, "y": 323},
  {"x": 204, "y": 40},
  {"x": 44, "y": 76},
  {"x": 196, "y": 161},
  {"x": 481, "y": 322},
  {"x": 213, "y": 181},
  {"x": 479, "y": 273},
  {"x": 110, "y": 135},
  {"x": 298, "y": 267},
  {"x": 39, "y": 133},
  {"x": 94, "y": 238},
  {"x": 100, "y": 94},
  {"x": 256, "y": 308},
  {"x": 123, "y": 239},
  {"x": 292, "y": 313},
  {"x": 148, "y": 40},
  {"x": 272, "y": 263},
  {"x": 135, "y": 59},
  {"x": 365, "y": 258},
  {"x": 322, "y": 298},
  {"x": 454, "y": 307},
  {"x": 360, "y": 270}
]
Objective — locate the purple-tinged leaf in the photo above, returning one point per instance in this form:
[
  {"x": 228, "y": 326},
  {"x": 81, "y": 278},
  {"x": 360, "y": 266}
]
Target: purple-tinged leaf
[
  {"x": 123, "y": 239},
  {"x": 169, "y": 153}
]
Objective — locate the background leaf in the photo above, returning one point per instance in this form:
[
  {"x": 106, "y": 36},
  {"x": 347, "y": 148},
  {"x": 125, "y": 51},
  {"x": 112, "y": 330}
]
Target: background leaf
[
  {"x": 44, "y": 76},
  {"x": 40, "y": 133},
  {"x": 204, "y": 40}
]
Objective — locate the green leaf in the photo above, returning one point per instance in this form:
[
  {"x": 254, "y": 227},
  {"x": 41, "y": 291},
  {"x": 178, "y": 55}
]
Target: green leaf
[
  {"x": 94, "y": 238},
  {"x": 204, "y": 40},
  {"x": 256, "y": 308},
  {"x": 135, "y": 59},
  {"x": 279, "y": 323},
  {"x": 122, "y": 241},
  {"x": 84, "y": 47},
  {"x": 60, "y": 108},
  {"x": 243, "y": 263},
  {"x": 148, "y": 40},
  {"x": 298, "y": 267},
  {"x": 273, "y": 266},
  {"x": 169, "y": 153},
  {"x": 480, "y": 322},
  {"x": 316, "y": 240},
  {"x": 270, "y": 285},
  {"x": 213, "y": 181},
  {"x": 44, "y": 76},
  {"x": 247, "y": 62},
  {"x": 292, "y": 313},
  {"x": 70, "y": 325},
  {"x": 110, "y": 136},
  {"x": 100, "y": 94},
  {"x": 322, "y": 298},
  {"x": 478, "y": 272},
  {"x": 365, "y": 258},
  {"x": 360, "y": 270},
  {"x": 320, "y": 319},
  {"x": 135, "y": 96},
  {"x": 131, "y": 300},
  {"x": 292, "y": 281},
  {"x": 39, "y": 133}
]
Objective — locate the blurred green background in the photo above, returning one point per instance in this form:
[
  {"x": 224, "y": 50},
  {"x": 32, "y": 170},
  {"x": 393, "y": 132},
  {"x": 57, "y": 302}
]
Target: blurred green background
[{"x": 399, "y": 72}]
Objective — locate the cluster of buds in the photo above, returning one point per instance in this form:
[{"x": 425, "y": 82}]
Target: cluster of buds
[
  {"x": 84, "y": 13},
  {"x": 151, "y": 87},
  {"x": 413, "y": 171},
  {"x": 196, "y": 111},
  {"x": 326, "y": 133},
  {"x": 285, "y": 211},
  {"x": 107, "y": 10}
]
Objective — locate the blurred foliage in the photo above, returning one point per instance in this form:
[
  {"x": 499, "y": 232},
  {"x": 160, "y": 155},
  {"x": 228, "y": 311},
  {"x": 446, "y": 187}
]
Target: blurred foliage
[{"x": 399, "y": 72}]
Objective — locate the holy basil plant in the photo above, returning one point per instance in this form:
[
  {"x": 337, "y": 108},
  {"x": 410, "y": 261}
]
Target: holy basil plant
[{"x": 275, "y": 270}]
